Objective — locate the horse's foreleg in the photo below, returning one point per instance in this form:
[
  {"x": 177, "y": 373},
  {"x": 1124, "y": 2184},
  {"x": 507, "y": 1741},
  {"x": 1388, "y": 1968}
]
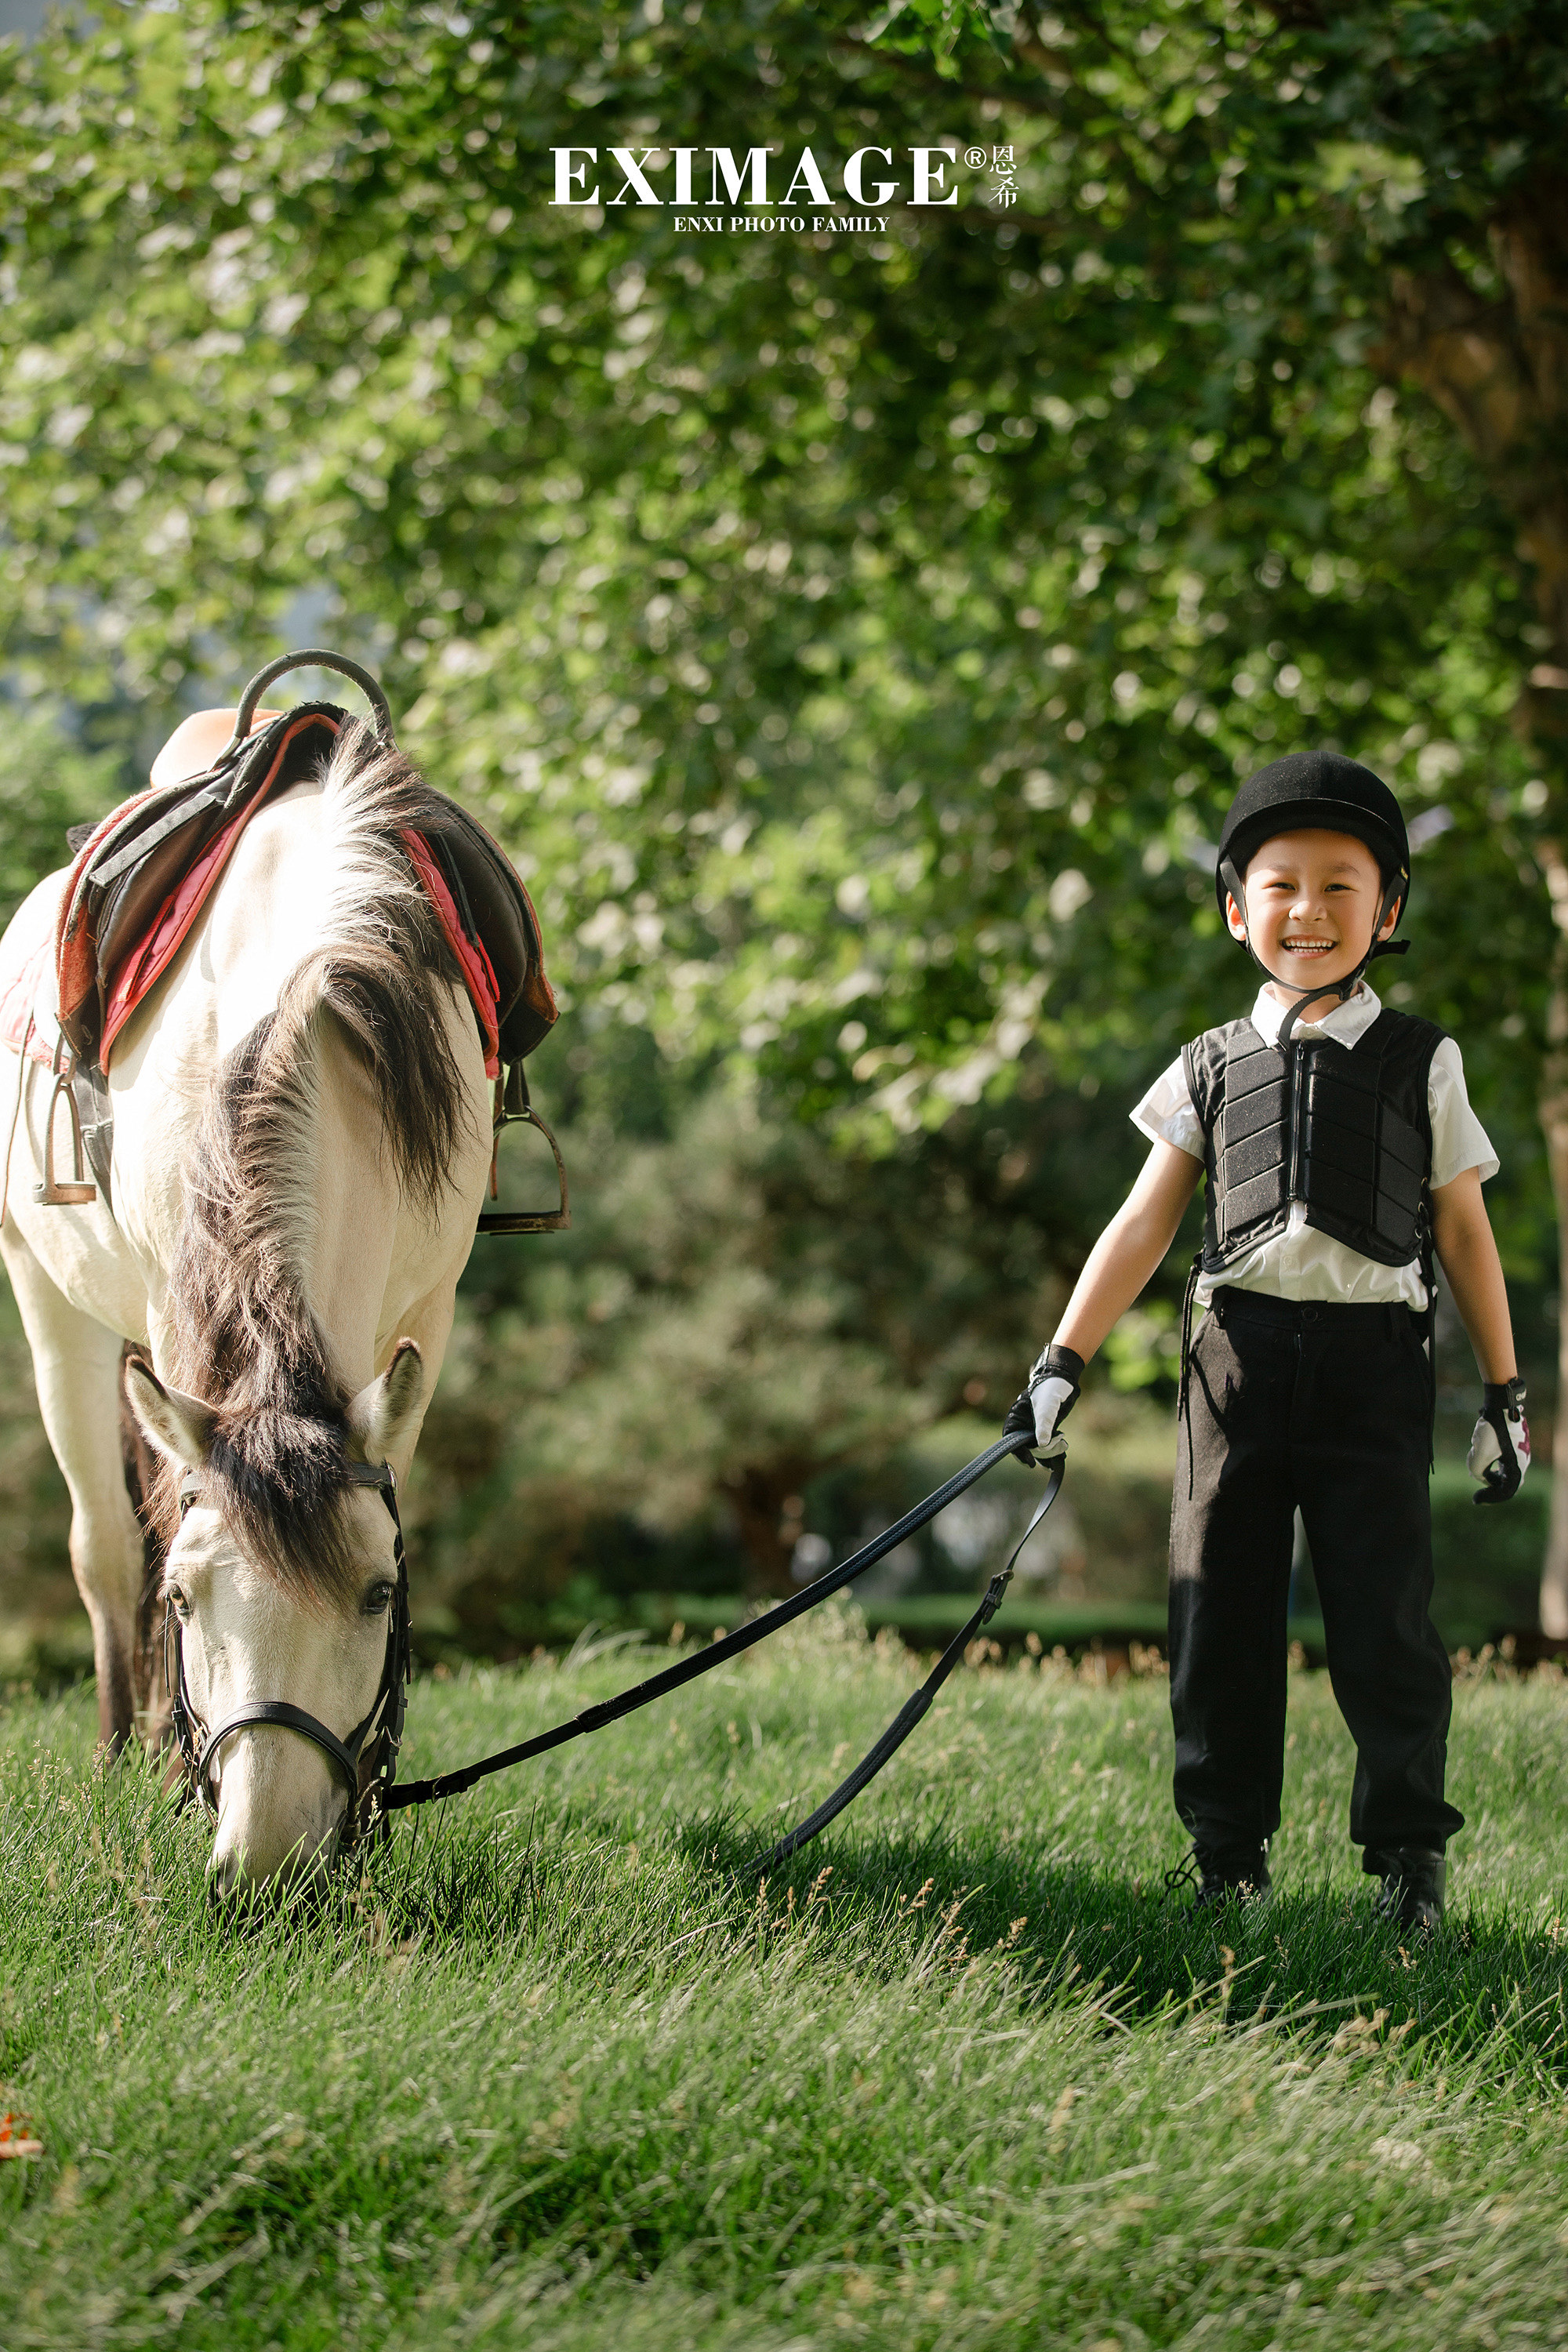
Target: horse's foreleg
[{"x": 76, "y": 1368}]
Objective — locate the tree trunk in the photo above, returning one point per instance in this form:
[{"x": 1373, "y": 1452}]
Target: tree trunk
[
  {"x": 1554, "y": 1127},
  {"x": 1498, "y": 367},
  {"x": 759, "y": 1493}
]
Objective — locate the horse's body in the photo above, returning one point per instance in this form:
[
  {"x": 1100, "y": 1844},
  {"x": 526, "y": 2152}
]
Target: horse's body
[{"x": 301, "y": 1143}]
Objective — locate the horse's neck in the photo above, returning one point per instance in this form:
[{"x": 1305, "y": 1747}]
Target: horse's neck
[
  {"x": 353, "y": 1221},
  {"x": 335, "y": 1197}
]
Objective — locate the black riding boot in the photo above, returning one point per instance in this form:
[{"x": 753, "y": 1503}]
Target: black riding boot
[
  {"x": 1222, "y": 1871},
  {"x": 1414, "y": 1879}
]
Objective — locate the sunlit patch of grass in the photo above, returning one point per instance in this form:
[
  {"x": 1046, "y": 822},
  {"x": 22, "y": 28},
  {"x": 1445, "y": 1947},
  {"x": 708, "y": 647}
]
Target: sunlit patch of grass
[{"x": 554, "y": 2066}]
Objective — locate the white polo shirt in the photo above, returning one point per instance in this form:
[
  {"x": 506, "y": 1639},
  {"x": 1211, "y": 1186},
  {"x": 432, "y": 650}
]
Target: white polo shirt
[{"x": 1298, "y": 1262}]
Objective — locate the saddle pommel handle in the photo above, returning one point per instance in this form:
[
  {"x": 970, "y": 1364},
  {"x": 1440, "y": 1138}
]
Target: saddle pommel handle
[{"x": 312, "y": 659}]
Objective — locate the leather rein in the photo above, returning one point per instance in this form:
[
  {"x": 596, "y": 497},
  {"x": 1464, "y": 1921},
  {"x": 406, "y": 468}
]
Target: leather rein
[{"x": 373, "y": 1795}]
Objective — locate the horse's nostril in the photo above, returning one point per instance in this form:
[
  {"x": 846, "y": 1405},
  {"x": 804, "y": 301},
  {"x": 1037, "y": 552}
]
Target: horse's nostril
[{"x": 222, "y": 1877}]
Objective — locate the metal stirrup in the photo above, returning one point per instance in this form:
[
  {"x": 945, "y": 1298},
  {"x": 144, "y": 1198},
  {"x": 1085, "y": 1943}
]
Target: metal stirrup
[
  {"x": 513, "y": 1108},
  {"x": 50, "y": 1194}
]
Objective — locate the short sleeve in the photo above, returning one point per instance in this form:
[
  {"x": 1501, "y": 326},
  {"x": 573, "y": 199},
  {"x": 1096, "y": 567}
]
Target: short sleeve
[
  {"x": 1167, "y": 1115},
  {"x": 1458, "y": 1139}
]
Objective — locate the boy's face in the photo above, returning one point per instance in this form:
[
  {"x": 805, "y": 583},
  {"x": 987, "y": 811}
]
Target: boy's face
[{"x": 1312, "y": 901}]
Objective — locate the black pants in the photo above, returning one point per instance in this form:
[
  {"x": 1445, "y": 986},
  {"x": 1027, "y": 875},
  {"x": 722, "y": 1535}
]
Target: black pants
[{"x": 1326, "y": 1407}]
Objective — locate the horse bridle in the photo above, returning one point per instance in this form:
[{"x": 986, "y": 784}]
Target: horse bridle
[{"x": 367, "y": 1791}]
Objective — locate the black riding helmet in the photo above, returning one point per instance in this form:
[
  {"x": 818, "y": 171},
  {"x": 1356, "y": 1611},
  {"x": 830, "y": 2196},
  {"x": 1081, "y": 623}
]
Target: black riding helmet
[{"x": 1322, "y": 791}]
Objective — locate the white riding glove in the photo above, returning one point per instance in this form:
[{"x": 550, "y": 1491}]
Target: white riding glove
[
  {"x": 1499, "y": 1445},
  {"x": 1053, "y": 1390}
]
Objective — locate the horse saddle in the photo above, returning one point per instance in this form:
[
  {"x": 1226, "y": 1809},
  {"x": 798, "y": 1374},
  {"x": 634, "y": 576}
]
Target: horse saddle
[{"x": 144, "y": 872}]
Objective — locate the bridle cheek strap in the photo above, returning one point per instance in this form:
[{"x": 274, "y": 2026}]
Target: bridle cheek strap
[{"x": 344, "y": 1755}]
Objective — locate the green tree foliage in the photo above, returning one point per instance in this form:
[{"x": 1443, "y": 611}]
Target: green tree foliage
[
  {"x": 961, "y": 494},
  {"x": 856, "y": 635},
  {"x": 738, "y": 1309},
  {"x": 50, "y": 780}
]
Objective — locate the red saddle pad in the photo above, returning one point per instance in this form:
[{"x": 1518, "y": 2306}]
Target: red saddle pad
[{"x": 143, "y": 877}]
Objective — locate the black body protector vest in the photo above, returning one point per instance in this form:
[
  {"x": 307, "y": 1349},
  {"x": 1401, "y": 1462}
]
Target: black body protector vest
[{"x": 1345, "y": 1132}]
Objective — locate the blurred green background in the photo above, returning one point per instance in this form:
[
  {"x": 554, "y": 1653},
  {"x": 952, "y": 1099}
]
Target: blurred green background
[{"x": 856, "y": 640}]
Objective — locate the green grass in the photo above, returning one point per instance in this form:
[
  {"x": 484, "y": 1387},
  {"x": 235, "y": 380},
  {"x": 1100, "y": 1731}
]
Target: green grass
[{"x": 554, "y": 2071}]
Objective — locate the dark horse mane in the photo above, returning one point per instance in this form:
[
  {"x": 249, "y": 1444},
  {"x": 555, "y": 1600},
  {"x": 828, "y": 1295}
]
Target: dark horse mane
[{"x": 245, "y": 1340}]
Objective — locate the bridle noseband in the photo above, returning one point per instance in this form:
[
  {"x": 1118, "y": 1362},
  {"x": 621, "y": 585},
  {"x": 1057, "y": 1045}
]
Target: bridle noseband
[{"x": 367, "y": 1794}]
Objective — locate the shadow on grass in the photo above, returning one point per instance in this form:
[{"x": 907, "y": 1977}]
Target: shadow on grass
[
  {"x": 567, "y": 1890},
  {"x": 1315, "y": 1956}
]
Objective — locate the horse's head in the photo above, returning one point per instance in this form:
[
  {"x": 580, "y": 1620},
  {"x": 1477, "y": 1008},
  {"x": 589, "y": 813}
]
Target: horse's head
[{"x": 306, "y": 1623}]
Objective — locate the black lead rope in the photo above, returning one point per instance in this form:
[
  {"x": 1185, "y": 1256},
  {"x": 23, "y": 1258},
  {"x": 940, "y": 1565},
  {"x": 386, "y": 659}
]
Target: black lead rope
[
  {"x": 909, "y": 1714},
  {"x": 703, "y": 1662},
  {"x": 1184, "y": 1389}
]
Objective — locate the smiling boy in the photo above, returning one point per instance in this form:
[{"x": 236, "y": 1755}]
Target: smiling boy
[{"x": 1340, "y": 1152}]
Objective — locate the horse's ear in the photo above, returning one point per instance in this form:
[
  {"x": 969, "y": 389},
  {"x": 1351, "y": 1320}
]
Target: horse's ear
[
  {"x": 381, "y": 1413},
  {"x": 180, "y": 1427}
]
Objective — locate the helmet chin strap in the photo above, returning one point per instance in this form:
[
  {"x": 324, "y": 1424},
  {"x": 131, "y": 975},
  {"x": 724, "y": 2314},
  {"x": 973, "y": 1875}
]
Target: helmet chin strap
[{"x": 1341, "y": 989}]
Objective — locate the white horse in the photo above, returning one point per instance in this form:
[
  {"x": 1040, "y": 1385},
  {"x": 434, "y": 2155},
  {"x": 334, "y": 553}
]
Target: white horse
[{"x": 301, "y": 1147}]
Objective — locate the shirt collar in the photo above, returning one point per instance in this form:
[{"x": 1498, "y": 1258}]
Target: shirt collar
[{"x": 1345, "y": 1023}]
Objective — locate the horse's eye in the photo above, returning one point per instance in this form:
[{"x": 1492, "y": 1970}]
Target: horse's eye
[
  {"x": 182, "y": 1606},
  {"x": 378, "y": 1600}
]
